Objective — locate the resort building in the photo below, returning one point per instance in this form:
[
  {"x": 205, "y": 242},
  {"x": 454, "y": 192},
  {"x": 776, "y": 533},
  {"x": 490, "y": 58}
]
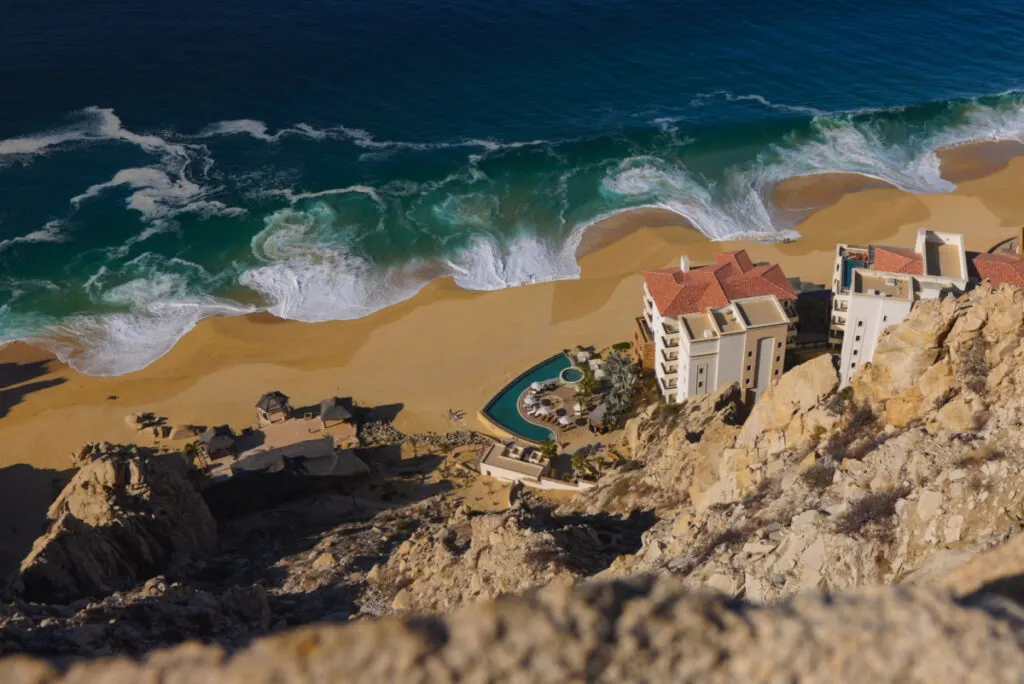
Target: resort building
[
  {"x": 876, "y": 287},
  {"x": 707, "y": 326},
  {"x": 936, "y": 264}
]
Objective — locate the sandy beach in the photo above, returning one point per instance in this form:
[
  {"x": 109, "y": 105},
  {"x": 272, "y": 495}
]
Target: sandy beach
[{"x": 450, "y": 348}]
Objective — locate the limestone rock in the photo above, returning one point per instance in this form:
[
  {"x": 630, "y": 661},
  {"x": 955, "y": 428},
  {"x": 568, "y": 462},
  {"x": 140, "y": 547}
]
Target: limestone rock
[
  {"x": 124, "y": 517},
  {"x": 651, "y": 630},
  {"x": 784, "y": 405}
]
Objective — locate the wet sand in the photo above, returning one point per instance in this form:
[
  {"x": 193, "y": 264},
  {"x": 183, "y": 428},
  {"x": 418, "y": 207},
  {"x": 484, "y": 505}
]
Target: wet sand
[{"x": 447, "y": 347}]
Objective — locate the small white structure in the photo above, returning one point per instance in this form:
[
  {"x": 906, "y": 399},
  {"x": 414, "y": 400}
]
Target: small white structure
[{"x": 512, "y": 464}]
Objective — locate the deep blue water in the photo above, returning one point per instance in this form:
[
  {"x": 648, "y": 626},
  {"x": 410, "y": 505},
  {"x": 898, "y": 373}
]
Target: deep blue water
[{"x": 164, "y": 162}]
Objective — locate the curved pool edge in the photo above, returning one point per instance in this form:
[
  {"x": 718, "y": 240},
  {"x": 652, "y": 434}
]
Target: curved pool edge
[{"x": 500, "y": 428}]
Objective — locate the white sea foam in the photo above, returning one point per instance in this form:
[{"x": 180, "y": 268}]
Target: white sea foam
[
  {"x": 488, "y": 264},
  {"x": 119, "y": 343},
  {"x": 308, "y": 274},
  {"x": 294, "y": 197},
  {"x": 160, "y": 191},
  {"x": 159, "y": 196},
  {"x": 51, "y": 232},
  {"x": 162, "y": 300},
  {"x": 725, "y": 95}
]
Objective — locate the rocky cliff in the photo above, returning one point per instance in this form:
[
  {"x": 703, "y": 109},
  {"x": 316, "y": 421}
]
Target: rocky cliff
[
  {"x": 126, "y": 515},
  {"x": 645, "y": 629},
  {"x": 910, "y": 476}
]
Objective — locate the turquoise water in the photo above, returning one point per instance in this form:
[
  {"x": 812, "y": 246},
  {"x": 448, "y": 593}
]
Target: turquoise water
[
  {"x": 164, "y": 162},
  {"x": 503, "y": 409},
  {"x": 572, "y": 375}
]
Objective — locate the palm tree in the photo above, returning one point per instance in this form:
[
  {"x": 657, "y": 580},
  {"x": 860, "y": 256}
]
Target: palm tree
[
  {"x": 548, "y": 449},
  {"x": 191, "y": 453},
  {"x": 586, "y": 387},
  {"x": 580, "y": 464}
]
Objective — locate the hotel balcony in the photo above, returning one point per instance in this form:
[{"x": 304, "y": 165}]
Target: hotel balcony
[
  {"x": 670, "y": 329},
  {"x": 669, "y": 343},
  {"x": 667, "y": 355},
  {"x": 669, "y": 369},
  {"x": 667, "y": 384}
]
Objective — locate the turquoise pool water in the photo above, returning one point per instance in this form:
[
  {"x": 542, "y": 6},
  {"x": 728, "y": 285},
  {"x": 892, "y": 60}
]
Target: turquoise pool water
[
  {"x": 503, "y": 411},
  {"x": 572, "y": 375}
]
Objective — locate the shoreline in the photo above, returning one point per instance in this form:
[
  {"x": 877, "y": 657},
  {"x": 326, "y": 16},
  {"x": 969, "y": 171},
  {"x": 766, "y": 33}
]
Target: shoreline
[{"x": 447, "y": 347}]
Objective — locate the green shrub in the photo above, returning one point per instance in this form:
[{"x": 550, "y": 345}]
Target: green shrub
[{"x": 622, "y": 346}]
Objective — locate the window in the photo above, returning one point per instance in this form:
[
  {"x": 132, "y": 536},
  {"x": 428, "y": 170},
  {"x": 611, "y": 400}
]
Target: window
[
  {"x": 778, "y": 346},
  {"x": 748, "y": 381},
  {"x": 885, "y": 318},
  {"x": 700, "y": 371},
  {"x": 776, "y": 371},
  {"x": 854, "y": 352},
  {"x": 749, "y": 354},
  {"x": 857, "y": 339},
  {"x": 860, "y": 324},
  {"x": 748, "y": 368},
  {"x": 777, "y": 359},
  {"x": 853, "y": 365}
]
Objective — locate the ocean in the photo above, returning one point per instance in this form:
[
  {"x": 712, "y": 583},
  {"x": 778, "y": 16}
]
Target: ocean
[{"x": 324, "y": 159}]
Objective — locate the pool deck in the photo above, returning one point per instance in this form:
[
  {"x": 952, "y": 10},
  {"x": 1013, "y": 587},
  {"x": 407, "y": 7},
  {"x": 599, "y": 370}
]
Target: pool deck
[{"x": 562, "y": 401}]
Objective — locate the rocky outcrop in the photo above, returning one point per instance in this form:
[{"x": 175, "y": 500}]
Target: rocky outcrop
[
  {"x": 647, "y": 629},
  {"x": 127, "y": 515},
  {"x": 468, "y": 558},
  {"x": 908, "y": 474}
]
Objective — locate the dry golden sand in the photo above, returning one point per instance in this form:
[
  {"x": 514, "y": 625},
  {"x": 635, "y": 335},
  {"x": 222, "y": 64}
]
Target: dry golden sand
[{"x": 449, "y": 348}]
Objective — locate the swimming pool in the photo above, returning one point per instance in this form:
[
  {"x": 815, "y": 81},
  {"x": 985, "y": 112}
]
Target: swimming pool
[
  {"x": 503, "y": 410},
  {"x": 572, "y": 375}
]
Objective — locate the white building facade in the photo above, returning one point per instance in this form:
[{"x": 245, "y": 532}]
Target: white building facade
[
  {"x": 701, "y": 347},
  {"x": 870, "y": 298}
]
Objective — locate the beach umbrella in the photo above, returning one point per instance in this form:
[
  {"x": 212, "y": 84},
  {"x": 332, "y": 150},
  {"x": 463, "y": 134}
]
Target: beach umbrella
[
  {"x": 544, "y": 410},
  {"x": 578, "y": 407},
  {"x": 565, "y": 420},
  {"x": 529, "y": 401},
  {"x": 583, "y": 356},
  {"x": 536, "y": 386}
]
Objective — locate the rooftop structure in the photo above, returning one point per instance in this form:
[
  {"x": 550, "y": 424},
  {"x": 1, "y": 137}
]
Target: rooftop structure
[
  {"x": 273, "y": 407},
  {"x": 875, "y": 287},
  {"x": 999, "y": 268},
  {"x": 337, "y": 410},
  {"x": 512, "y": 463},
  {"x": 706, "y": 326},
  {"x": 217, "y": 440}
]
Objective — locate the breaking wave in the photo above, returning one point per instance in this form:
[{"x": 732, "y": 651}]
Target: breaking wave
[{"x": 488, "y": 214}]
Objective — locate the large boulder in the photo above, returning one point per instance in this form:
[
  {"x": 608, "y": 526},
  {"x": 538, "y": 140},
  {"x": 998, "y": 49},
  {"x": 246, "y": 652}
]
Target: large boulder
[
  {"x": 785, "y": 416},
  {"x": 125, "y": 516}
]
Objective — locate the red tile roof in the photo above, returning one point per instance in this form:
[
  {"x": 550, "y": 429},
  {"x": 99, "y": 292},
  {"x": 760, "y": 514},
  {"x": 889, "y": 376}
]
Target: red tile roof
[
  {"x": 898, "y": 260},
  {"x": 1000, "y": 268},
  {"x": 732, "y": 276}
]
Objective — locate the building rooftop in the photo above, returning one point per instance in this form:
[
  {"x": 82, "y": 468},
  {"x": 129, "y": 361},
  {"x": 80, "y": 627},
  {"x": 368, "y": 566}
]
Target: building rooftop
[
  {"x": 273, "y": 401},
  {"x": 999, "y": 268},
  {"x": 677, "y": 292},
  {"x": 898, "y": 260},
  {"x": 881, "y": 284},
  {"x": 496, "y": 457},
  {"x": 699, "y": 327},
  {"x": 763, "y": 311}
]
